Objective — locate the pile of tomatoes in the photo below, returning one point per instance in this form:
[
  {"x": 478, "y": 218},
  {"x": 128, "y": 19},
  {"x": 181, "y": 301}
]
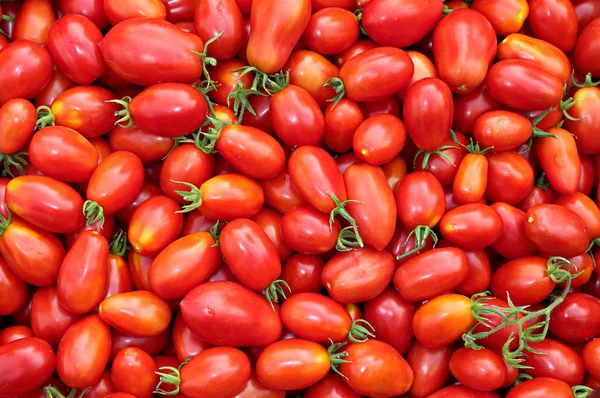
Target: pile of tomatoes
[{"x": 299, "y": 198}]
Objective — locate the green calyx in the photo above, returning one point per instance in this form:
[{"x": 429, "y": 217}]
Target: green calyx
[
  {"x": 5, "y": 221},
  {"x": 206, "y": 60},
  {"x": 124, "y": 116},
  {"x": 274, "y": 290},
  {"x": 537, "y": 132},
  {"x": 118, "y": 245},
  {"x": 260, "y": 86},
  {"x": 359, "y": 15},
  {"x": 206, "y": 141},
  {"x": 359, "y": 333},
  {"x": 337, "y": 358},
  {"x": 519, "y": 317},
  {"x": 45, "y": 117},
  {"x": 340, "y": 209},
  {"x": 581, "y": 391},
  {"x": 93, "y": 212},
  {"x": 215, "y": 232},
  {"x": 194, "y": 195},
  {"x": 173, "y": 378},
  {"x": 587, "y": 83},
  {"x": 52, "y": 392},
  {"x": 439, "y": 152},
  {"x": 542, "y": 182},
  {"x": 420, "y": 234},
  {"x": 474, "y": 148},
  {"x": 567, "y": 104},
  {"x": 15, "y": 160},
  {"x": 204, "y": 88},
  {"x": 338, "y": 87},
  {"x": 347, "y": 239}
]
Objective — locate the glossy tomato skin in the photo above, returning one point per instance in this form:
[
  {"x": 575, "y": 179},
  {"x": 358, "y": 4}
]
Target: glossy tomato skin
[
  {"x": 117, "y": 181},
  {"x": 560, "y": 160},
  {"x": 425, "y": 97},
  {"x": 165, "y": 49},
  {"x": 120, "y": 11},
  {"x": 376, "y": 360},
  {"x": 302, "y": 273},
  {"x": 559, "y": 361},
  {"x": 503, "y": 130},
  {"x": 152, "y": 344},
  {"x": 472, "y": 226},
  {"x": 482, "y": 370},
  {"x": 17, "y": 380},
  {"x": 469, "y": 107},
  {"x": 84, "y": 63},
  {"x": 183, "y": 265},
  {"x": 400, "y": 23},
  {"x": 570, "y": 240},
  {"x": 148, "y": 147},
  {"x": 359, "y": 47},
  {"x": 270, "y": 221},
  {"x": 513, "y": 243},
  {"x": 15, "y": 332},
  {"x": 524, "y": 279},
  {"x": 310, "y": 70},
  {"x": 154, "y": 225},
  {"x": 464, "y": 46},
  {"x": 17, "y": 125},
  {"x": 506, "y": 17},
  {"x": 216, "y": 16},
  {"x": 586, "y": 47},
  {"x": 375, "y": 213},
  {"x": 132, "y": 372},
  {"x": 331, "y": 386},
  {"x": 93, "y": 9},
  {"x": 586, "y": 110},
  {"x": 430, "y": 368},
  {"x": 45, "y": 202},
  {"x": 541, "y": 387},
  {"x": 13, "y": 289},
  {"x": 391, "y": 317},
  {"x": 471, "y": 179},
  {"x": 274, "y": 31},
  {"x": 419, "y": 200},
  {"x": 53, "y": 147},
  {"x": 331, "y": 30},
  {"x": 451, "y": 312},
  {"x": 340, "y": 274},
  {"x": 431, "y": 274},
  {"x": 33, "y": 21},
  {"x": 559, "y": 14},
  {"x": 306, "y": 230},
  {"x": 515, "y": 83},
  {"x": 379, "y": 139},
  {"x": 585, "y": 207},
  {"x": 573, "y": 321},
  {"x": 138, "y": 313},
  {"x": 119, "y": 277},
  {"x": 376, "y": 74},
  {"x": 225, "y": 313},
  {"x": 25, "y": 68},
  {"x": 83, "y": 352},
  {"x": 34, "y": 254},
  {"x": 186, "y": 343},
  {"x": 590, "y": 357},
  {"x": 508, "y": 169}
]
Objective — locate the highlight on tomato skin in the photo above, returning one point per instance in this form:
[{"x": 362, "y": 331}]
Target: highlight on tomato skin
[{"x": 318, "y": 198}]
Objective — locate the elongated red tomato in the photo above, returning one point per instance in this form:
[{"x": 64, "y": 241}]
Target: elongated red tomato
[
  {"x": 423, "y": 98},
  {"x": 558, "y": 360},
  {"x": 310, "y": 70},
  {"x": 49, "y": 319},
  {"x": 306, "y": 230},
  {"x": 17, "y": 125},
  {"x": 400, "y": 23},
  {"x": 508, "y": 169},
  {"x": 148, "y": 147},
  {"x": 585, "y": 208},
  {"x": 13, "y": 290},
  {"x": 73, "y": 44},
  {"x": 482, "y": 370},
  {"x": 45, "y": 202},
  {"x": 223, "y": 17},
  {"x": 33, "y": 21},
  {"x": 560, "y": 160},
  {"x": 472, "y": 226},
  {"x": 331, "y": 30},
  {"x": 420, "y": 200},
  {"x": 225, "y": 313},
  {"x": 586, "y": 48},
  {"x": 133, "y": 371},
  {"x": 118, "y": 11},
  {"x": 379, "y": 139},
  {"x": 554, "y": 21},
  {"x": 502, "y": 130},
  {"x": 430, "y": 368},
  {"x": 431, "y": 274},
  {"x": 83, "y": 352},
  {"x": 541, "y": 386},
  {"x": 18, "y": 380},
  {"x": 464, "y": 45},
  {"x": 585, "y": 111},
  {"x": 146, "y": 51}
]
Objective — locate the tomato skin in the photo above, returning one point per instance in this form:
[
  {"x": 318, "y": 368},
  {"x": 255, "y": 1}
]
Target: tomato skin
[
  {"x": 422, "y": 97},
  {"x": 331, "y": 386},
  {"x": 37, "y": 267},
  {"x": 586, "y": 110},
  {"x": 570, "y": 240},
  {"x": 119, "y": 277},
  {"x": 18, "y": 380},
  {"x": 368, "y": 184},
  {"x": 183, "y": 265},
  {"x": 559, "y": 361},
  {"x": 83, "y": 352},
  {"x": 251, "y": 151},
  {"x": 25, "y": 68},
  {"x": 357, "y": 48},
  {"x": 310, "y": 71},
  {"x": 139, "y": 313},
  {"x": 132, "y": 372},
  {"x": 472, "y": 226},
  {"x": 400, "y": 23},
  {"x": 13, "y": 289},
  {"x": 560, "y": 160},
  {"x": 117, "y": 181},
  {"x": 515, "y": 83},
  {"x": 508, "y": 169},
  {"x": 262, "y": 107},
  {"x": 506, "y": 17},
  {"x": 17, "y": 125},
  {"x": 149, "y": 190},
  {"x": 341, "y": 274},
  {"x": 430, "y": 368},
  {"x": 166, "y": 52},
  {"x": 464, "y": 46},
  {"x": 44, "y": 202},
  {"x": 503, "y": 130},
  {"x": 33, "y": 21},
  {"x": 585, "y": 207},
  {"x": 452, "y": 312},
  {"x": 376, "y": 74},
  {"x": 469, "y": 107},
  {"x": 379, "y": 139},
  {"x": 306, "y": 230},
  {"x": 302, "y": 273},
  {"x": 293, "y": 109},
  {"x": 255, "y": 389},
  {"x": 14, "y": 333},
  {"x": 573, "y": 321},
  {"x": 376, "y": 369},
  {"x": 315, "y": 317},
  {"x": 586, "y": 47},
  {"x": 559, "y": 14},
  {"x": 471, "y": 178},
  {"x": 152, "y": 344},
  {"x": 482, "y": 370},
  {"x": 420, "y": 200},
  {"x": 102, "y": 388},
  {"x": 394, "y": 172},
  {"x": 513, "y": 243},
  {"x": 391, "y": 317},
  {"x": 590, "y": 357},
  {"x": 274, "y": 31},
  {"x": 186, "y": 343},
  {"x": 57, "y": 84},
  {"x": 215, "y": 16},
  {"x": 431, "y": 274},
  {"x": 524, "y": 279},
  {"x": 154, "y": 225},
  {"x": 331, "y": 30},
  {"x": 120, "y": 11},
  {"x": 196, "y": 222},
  {"x": 53, "y": 147},
  {"x": 148, "y": 147},
  {"x": 225, "y": 313},
  {"x": 93, "y": 9},
  {"x": 541, "y": 387}
]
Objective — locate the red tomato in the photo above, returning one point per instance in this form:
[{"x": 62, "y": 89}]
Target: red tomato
[
  {"x": 25, "y": 68},
  {"x": 138, "y": 313},
  {"x": 117, "y": 11},
  {"x": 187, "y": 344},
  {"x": 524, "y": 280},
  {"x": 280, "y": 193},
  {"x": 331, "y": 30},
  {"x": 119, "y": 277},
  {"x": 400, "y": 23},
  {"x": 506, "y": 16},
  {"x": 274, "y": 31},
  {"x": 310, "y": 71},
  {"x": 423, "y": 98},
  {"x": 394, "y": 172},
  {"x": 541, "y": 387},
  {"x": 391, "y": 316},
  {"x": 376, "y": 369},
  {"x": 102, "y": 388},
  {"x": 424, "y": 68},
  {"x": 585, "y": 49},
  {"x": 432, "y": 273},
  {"x": 502, "y": 130},
  {"x": 472, "y": 226},
  {"x": 359, "y": 47},
  {"x": 225, "y": 313},
  {"x": 13, "y": 290},
  {"x": 469, "y": 107},
  {"x": 255, "y": 389},
  {"x": 559, "y": 14},
  {"x": 14, "y": 333},
  {"x": 331, "y": 386},
  {"x": 585, "y": 207},
  {"x": 574, "y": 320},
  {"x": 470, "y": 181},
  {"x": 558, "y": 360},
  {"x": 510, "y": 177},
  {"x": 449, "y": 312},
  {"x": 17, "y": 125},
  {"x": 590, "y": 357},
  {"x": 523, "y": 85},
  {"x": 340, "y": 274},
  {"x": 430, "y": 368},
  {"x": 481, "y": 370},
  {"x": 223, "y": 18},
  {"x": 306, "y": 230},
  {"x": 560, "y": 160},
  {"x": 93, "y": 9},
  {"x": 34, "y": 19},
  {"x": 151, "y": 344},
  {"x": 513, "y": 243},
  {"x": 147, "y": 146},
  {"x": 379, "y": 139},
  {"x": 154, "y": 225},
  {"x": 556, "y": 230},
  {"x": 18, "y": 380},
  {"x": 419, "y": 200},
  {"x": 133, "y": 371},
  {"x": 464, "y": 46},
  {"x": 302, "y": 273},
  {"x": 586, "y": 119},
  {"x": 180, "y": 10},
  {"x": 83, "y": 352}
]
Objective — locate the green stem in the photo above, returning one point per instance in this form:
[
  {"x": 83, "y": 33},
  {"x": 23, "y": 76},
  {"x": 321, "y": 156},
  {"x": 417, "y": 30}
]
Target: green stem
[
  {"x": 340, "y": 209},
  {"x": 337, "y": 358},
  {"x": 93, "y": 212},
  {"x": 338, "y": 87},
  {"x": 172, "y": 378},
  {"x": 15, "y": 160},
  {"x": 215, "y": 232},
  {"x": 118, "y": 245},
  {"x": 45, "y": 117},
  {"x": 427, "y": 155},
  {"x": 274, "y": 290},
  {"x": 194, "y": 195},
  {"x": 359, "y": 333},
  {"x": 420, "y": 233},
  {"x": 206, "y": 60},
  {"x": 588, "y": 81},
  {"x": 125, "y": 120}
]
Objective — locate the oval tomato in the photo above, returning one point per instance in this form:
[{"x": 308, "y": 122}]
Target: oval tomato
[
  {"x": 331, "y": 30},
  {"x": 482, "y": 370},
  {"x": 586, "y": 119},
  {"x": 506, "y": 17},
  {"x": 147, "y": 146},
  {"x": 508, "y": 169},
  {"x": 49, "y": 319},
  {"x": 586, "y": 47},
  {"x": 430, "y": 368},
  {"x": 502, "y": 130},
  {"x": 223, "y": 18},
  {"x": 573, "y": 321},
  {"x": 17, "y": 380},
  {"x": 560, "y": 160},
  {"x": 310, "y": 71},
  {"x": 541, "y": 386},
  {"x": 420, "y": 200},
  {"x": 559, "y": 14},
  {"x": 138, "y": 313},
  {"x": 524, "y": 280},
  {"x": 117, "y": 11},
  {"x": 33, "y": 21},
  {"x": 306, "y": 230},
  {"x": 133, "y": 371},
  {"x": 379, "y": 139},
  {"x": 17, "y": 125},
  {"x": 472, "y": 226},
  {"x": 470, "y": 181},
  {"x": 302, "y": 273},
  {"x": 469, "y": 107},
  {"x": 558, "y": 360}
]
